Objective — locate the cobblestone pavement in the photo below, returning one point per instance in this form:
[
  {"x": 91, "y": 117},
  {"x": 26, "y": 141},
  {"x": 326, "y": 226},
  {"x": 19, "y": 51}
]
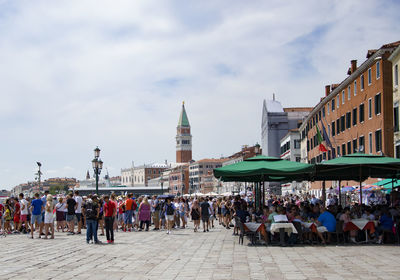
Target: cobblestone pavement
[{"x": 188, "y": 255}]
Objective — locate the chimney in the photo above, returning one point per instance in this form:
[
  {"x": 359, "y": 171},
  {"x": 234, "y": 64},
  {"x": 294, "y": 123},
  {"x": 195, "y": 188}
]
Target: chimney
[
  {"x": 327, "y": 90},
  {"x": 353, "y": 66}
]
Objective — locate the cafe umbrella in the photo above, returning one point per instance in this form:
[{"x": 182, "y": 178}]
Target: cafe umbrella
[
  {"x": 260, "y": 169},
  {"x": 357, "y": 166}
]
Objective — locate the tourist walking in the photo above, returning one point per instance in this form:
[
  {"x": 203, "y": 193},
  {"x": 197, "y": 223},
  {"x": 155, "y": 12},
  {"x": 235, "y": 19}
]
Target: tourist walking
[
  {"x": 17, "y": 215},
  {"x": 144, "y": 214},
  {"x": 205, "y": 213},
  {"x": 130, "y": 207},
  {"x": 1, "y": 216},
  {"x": 91, "y": 211},
  {"x": 78, "y": 210},
  {"x": 155, "y": 205},
  {"x": 195, "y": 214},
  {"x": 36, "y": 219},
  {"x": 71, "y": 207},
  {"x": 169, "y": 210},
  {"x": 110, "y": 210},
  {"x": 49, "y": 217},
  {"x": 183, "y": 211},
  {"x": 24, "y": 213},
  {"x": 60, "y": 214}
]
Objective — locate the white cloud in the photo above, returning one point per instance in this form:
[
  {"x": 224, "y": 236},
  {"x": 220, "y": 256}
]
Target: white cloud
[{"x": 79, "y": 74}]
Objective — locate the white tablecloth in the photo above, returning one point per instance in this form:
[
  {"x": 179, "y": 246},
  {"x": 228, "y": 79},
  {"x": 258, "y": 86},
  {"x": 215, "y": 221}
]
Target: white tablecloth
[
  {"x": 322, "y": 229},
  {"x": 253, "y": 226},
  {"x": 289, "y": 227},
  {"x": 360, "y": 223},
  {"x": 319, "y": 228}
]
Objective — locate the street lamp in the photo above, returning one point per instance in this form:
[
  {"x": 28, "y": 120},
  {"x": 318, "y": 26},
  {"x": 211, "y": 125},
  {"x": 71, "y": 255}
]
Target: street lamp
[
  {"x": 97, "y": 165},
  {"x": 257, "y": 149},
  {"x": 39, "y": 173}
]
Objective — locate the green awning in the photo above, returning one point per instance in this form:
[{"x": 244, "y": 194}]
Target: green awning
[
  {"x": 262, "y": 168},
  {"x": 358, "y": 166}
]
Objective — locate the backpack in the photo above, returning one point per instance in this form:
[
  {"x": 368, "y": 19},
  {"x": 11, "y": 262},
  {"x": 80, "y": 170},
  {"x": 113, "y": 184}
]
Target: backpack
[
  {"x": 91, "y": 213},
  {"x": 170, "y": 209}
]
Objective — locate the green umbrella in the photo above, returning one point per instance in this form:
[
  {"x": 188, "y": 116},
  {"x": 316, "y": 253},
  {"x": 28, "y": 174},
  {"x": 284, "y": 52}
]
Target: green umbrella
[
  {"x": 262, "y": 168},
  {"x": 359, "y": 167}
]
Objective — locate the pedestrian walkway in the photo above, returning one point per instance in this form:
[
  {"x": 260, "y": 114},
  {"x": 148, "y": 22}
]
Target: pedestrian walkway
[{"x": 188, "y": 255}]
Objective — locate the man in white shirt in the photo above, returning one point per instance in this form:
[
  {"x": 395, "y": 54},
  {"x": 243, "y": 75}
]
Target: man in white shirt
[
  {"x": 24, "y": 212},
  {"x": 78, "y": 210}
]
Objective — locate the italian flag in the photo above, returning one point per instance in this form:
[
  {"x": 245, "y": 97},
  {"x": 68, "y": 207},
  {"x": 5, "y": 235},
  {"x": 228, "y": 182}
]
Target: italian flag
[{"x": 322, "y": 148}]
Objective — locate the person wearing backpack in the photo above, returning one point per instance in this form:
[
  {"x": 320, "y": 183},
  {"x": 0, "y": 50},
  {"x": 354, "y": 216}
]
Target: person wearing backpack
[
  {"x": 169, "y": 210},
  {"x": 91, "y": 212}
]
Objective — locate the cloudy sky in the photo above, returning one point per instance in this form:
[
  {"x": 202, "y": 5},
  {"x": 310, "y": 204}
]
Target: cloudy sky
[{"x": 77, "y": 74}]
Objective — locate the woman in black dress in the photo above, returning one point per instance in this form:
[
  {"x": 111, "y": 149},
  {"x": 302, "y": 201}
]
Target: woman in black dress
[{"x": 195, "y": 213}]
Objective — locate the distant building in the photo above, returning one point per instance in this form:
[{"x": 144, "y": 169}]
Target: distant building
[
  {"x": 67, "y": 182},
  {"x": 179, "y": 179},
  {"x": 290, "y": 150},
  {"x": 276, "y": 123},
  {"x": 183, "y": 138},
  {"x": 140, "y": 175},
  {"x": 244, "y": 153},
  {"x": 200, "y": 168},
  {"x": 208, "y": 183},
  {"x": 395, "y": 59},
  {"x": 5, "y": 193}
]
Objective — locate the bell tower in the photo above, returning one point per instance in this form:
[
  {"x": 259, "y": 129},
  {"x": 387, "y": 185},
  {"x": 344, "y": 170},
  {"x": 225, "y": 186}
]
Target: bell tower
[{"x": 183, "y": 138}]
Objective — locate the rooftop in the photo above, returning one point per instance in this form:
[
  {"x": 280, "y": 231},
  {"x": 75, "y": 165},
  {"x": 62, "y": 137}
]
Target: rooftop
[
  {"x": 298, "y": 109},
  {"x": 211, "y": 160}
]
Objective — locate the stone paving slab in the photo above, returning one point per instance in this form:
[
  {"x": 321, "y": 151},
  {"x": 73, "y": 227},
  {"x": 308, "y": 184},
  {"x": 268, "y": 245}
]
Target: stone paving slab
[{"x": 188, "y": 255}]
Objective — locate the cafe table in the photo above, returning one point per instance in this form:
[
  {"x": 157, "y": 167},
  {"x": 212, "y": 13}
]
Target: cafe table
[{"x": 282, "y": 228}]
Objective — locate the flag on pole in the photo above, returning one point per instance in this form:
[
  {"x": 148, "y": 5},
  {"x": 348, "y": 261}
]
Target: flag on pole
[
  {"x": 322, "y": 148},
  {"x": 326, "y": 137}
]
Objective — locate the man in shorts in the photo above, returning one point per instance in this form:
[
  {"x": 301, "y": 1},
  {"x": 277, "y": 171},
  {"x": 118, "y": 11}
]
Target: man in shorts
[
  {"x": 36, "y": 220},
  {"x": 24, "y": 212},
  {"x": 169, "y": 210},
  {"x": 78, "y": 210},
  {"x": 44, "y": 197},
  {"x": 71, "y": 207},
  {"x": 130, "y": 207},
  {"x": 205, "y": 213}
]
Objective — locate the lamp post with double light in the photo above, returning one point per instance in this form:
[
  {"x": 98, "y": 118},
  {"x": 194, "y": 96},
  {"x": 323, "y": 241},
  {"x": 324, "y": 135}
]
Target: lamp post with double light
[{"x": 97, "y": 166}]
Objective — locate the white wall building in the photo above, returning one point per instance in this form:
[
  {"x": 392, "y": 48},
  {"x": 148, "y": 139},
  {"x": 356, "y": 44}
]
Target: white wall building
[{"x": 291, "y": 150}]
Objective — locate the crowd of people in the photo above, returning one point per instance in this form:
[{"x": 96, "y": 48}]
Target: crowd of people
[{"x": 44, "y": 214}]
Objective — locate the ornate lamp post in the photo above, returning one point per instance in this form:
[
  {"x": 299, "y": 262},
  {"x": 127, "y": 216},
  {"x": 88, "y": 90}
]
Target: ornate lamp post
[
  {"x": 97, "y": 166},
  {"x": 39, "y": 173}
]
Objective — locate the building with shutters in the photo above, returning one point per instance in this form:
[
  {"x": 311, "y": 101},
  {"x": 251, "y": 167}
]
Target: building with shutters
[
  {"x": 395, "y": 59},
  {"x": 355, "y": 115}
]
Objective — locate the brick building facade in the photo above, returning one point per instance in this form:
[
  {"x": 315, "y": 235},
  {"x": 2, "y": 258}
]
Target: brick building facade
[{"x": 355, "y": 115}]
